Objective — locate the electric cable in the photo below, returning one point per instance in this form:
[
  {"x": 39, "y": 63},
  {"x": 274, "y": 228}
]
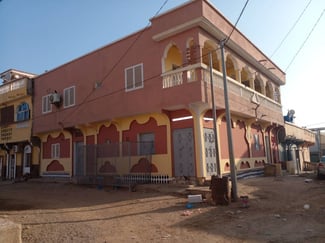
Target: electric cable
[
  {"x": 304, "y": 42},
  {"x": 290, "y": 30},
  {"x": 234, "y": 27},
  {"x": 116, "y": 63}
]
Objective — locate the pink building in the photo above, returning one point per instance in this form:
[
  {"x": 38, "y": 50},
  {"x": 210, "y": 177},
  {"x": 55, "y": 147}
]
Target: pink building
[{"x": 97, "y": 113}]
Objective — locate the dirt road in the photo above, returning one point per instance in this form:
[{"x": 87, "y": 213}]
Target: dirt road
[{"x": 281, "y": 209}]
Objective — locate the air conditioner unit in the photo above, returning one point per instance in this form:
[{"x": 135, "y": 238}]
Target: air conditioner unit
[
  {"x": 55, "y": 98},
  {"x": 15, "y": 148}
]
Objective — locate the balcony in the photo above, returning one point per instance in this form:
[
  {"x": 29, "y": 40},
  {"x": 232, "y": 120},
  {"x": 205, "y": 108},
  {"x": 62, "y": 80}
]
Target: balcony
[
  {"x": 298, "y": 133},
  {"x": 14, "y": 90},
  {"x": 249, "y": 98}
]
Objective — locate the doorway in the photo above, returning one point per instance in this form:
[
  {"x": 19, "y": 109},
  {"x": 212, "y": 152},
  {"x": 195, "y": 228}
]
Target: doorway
[
  {"x": 27, "y": 159},
  {"x": 183, "y": 152}
]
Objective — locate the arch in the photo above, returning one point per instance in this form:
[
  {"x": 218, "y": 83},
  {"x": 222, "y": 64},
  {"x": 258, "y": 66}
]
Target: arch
[
  {"x": 107, "y": 134},
  {"x": 172, "y": 58},
  {"x": 144, "y": 166},
  {"x": 210, "y": 46},
  {"x": 269, "y": 90},
  {"x": 245, "y": 165},
  {"x": 277, "y": 96},
  {"x": 245, "y": 77},
  {"x": 55, "y": 165},
  {"x": 258, "y": 85},
  {"x": 107, "y": 167},
  {"x": 231, "y": 67}
]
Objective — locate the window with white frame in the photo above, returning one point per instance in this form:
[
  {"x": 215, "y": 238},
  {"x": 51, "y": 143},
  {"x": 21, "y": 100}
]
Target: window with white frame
[
  {"x": 46, "y": 104},
  {"x": 146, "y": 143},
  {"x": 55, "y": 151},
  {"x": 23, "y": 112},
  {"x": 69, "y": 96},
  {"x": 134, "y": 77}
]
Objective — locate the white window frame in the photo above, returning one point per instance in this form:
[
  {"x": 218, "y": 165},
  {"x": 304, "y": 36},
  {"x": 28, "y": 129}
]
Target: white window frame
[
  {"x": 69, "y": 96},
  {"x": 46, "y": 102},
  {"x": 55, "y": 151},
  {"x": 134, "y": 85}
]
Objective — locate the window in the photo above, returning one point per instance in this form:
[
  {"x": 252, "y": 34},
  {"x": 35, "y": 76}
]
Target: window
[
  {"x": 134, "y": 77},
  {"x": 257, "y": 142},
  {"x": 69, "y": 96},
  {"x": 7, "y": 114},
  {"x": 46, "y": 104},
  {"x": 23, "y": 112},
  {"x": 146, "y": 143},
  {"x": 55, "y": 151}
]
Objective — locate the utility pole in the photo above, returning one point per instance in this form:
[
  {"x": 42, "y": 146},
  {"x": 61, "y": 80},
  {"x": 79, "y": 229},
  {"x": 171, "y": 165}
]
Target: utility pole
[
  {"x": 228, "y": 119},
  {"x": 214, "y": 117}
]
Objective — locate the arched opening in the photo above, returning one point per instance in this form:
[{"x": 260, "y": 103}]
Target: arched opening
[
  {"x": 173, "y": 59},
  {"x": 208, "y": 47},
  {"x": 230, "y": 68},
  {"x": 277, "y": 96},
  {"x": 245, "y": 77},
  {"x": 269, "y": 90},
  {"x": 258, "y": 85}
]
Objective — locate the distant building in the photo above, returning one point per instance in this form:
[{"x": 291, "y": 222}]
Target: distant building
[
  {"x": 318, "y": 149},
  {"x": 18, "y": 155},
  {"x": 143, "y": 103},
  {"x": 296, "y": 144}
]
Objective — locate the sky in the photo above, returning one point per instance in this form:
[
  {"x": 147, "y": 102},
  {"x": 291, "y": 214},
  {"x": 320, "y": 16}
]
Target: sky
[{"x": 38, "y": 35}]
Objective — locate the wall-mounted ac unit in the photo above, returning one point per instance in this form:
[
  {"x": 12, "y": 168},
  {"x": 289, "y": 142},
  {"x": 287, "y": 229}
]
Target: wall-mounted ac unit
[{"x": 55, "y": 98}]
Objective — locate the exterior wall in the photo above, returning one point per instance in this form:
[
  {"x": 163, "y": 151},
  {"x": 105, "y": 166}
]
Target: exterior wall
[
  {"x": 176, "y": 83},
  {"x": 18, "y": 154}
]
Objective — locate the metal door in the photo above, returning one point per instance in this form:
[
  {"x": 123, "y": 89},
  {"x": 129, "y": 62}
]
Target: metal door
[
  {"x": 210, "y": 152},
  {"x": 79, "y": 165},
  {"x": 184, "y": 152}
]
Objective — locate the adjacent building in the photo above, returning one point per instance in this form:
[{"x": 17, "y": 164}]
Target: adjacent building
[{"x": 19, "y": 150}]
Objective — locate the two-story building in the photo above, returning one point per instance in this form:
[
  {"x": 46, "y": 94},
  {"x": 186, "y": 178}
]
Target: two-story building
[
  {"x": 143, "y": 103},
  {"x": 19, "y": 150}
]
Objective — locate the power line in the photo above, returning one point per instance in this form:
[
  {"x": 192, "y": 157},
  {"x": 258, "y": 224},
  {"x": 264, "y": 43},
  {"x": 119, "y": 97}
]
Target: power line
[
  {"x": 296, "y": 54},
  {"x": 293, "y": 26},
  {"x": 87, "y": 100},
  {"x": 233, "y": 29},
  {"x": 118, "y": 61}
]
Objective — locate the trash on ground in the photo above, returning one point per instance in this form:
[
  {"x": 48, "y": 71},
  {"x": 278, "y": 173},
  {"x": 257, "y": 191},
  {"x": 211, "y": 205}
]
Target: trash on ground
[{"x": 194, "y": 198}]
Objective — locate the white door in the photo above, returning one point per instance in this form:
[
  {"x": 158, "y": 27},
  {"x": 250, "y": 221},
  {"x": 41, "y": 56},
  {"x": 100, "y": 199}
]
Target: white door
[
  {"x": 11, "y": 168},
  {"x": 27, "y": 159}
]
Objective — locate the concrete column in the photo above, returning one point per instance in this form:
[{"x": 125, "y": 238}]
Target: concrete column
[{"x": 198, "y": 112}]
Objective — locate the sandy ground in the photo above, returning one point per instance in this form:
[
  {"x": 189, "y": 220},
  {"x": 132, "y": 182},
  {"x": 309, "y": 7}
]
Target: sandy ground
[{"x": 64, "y": 212}]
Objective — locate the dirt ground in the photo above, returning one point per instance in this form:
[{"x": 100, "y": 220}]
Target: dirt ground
[{"x": 281, "y": 209}]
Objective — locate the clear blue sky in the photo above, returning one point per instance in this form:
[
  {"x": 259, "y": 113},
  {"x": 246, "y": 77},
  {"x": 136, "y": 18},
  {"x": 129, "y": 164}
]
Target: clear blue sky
[{"x": 39, "y": 35}]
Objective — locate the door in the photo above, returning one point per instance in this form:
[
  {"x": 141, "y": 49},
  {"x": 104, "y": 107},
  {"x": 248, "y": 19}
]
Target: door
[
  {"x": 27, "y": 159},
  {"x": 210, "y": 152},
  {"x": 11, "y": 168},
  {"x": 79, "y": 165},
  {"x": 183, "y": 152}
]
